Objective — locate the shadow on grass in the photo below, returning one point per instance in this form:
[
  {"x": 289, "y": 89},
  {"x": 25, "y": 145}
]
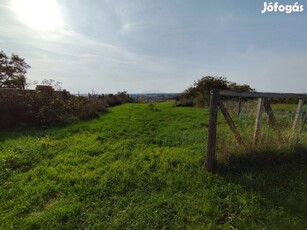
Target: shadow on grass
[
  {"x": 256, "y": 161},
  {"x": 280, "y": 178},
  {"x": 38, "y": 130},
  {"x": 26, "y": 130}
]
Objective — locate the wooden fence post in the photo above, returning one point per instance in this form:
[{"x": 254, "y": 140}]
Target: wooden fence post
[
  {"x": 215, "y": 102},
  {"x": 297, "y": 118},
  {"x": 258, "y": 121},
  {"x": 272, "y": 119},
  {"x": 240, "y": 106},
  {"x": 298, "y": 114},
  {"x": 210, "y": 156}
]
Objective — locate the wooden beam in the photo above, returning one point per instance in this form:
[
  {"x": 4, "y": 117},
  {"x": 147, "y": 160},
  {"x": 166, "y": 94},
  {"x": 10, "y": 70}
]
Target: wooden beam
[
  {"x": 209, "y": 163},
  {"x": 230, "y": 121},
  {"x": 232, "y": 93},
  {"x": 272, "y": 119},
  {"x": 258, "y": 121}
]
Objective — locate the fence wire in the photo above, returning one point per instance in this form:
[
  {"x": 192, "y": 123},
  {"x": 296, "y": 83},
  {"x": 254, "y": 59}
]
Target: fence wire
[{"x": 271, "y": 139}]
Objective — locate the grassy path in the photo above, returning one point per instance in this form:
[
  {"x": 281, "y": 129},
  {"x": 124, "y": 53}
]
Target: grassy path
[{"x": 139, "y": 167}]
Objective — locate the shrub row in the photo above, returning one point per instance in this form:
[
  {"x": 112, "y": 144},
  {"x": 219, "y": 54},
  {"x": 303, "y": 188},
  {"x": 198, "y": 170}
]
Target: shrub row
[{"x": 44, "y": 106}]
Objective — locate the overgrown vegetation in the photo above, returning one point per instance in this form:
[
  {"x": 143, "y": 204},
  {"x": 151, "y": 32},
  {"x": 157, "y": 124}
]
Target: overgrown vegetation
[
  {"x": 199, "y": 93},
  {"x": 48, "y": 104},
  {"x": 270, "y": 140},
  {"x": 139, "y": 167},
  {"x": 44, "y": 106}
]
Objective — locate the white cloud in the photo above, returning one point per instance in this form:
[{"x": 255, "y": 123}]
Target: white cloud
[
  {"x": 74, "y": 59},
  {"x": 109, "y": 46}
]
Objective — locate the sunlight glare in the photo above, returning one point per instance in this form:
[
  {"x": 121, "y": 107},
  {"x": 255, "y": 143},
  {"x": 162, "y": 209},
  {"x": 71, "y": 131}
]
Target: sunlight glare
[{"x": 38, "y": 14}]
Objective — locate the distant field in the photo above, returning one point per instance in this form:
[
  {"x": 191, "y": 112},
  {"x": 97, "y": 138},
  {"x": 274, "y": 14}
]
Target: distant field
[{"x": 139, "y": 166}]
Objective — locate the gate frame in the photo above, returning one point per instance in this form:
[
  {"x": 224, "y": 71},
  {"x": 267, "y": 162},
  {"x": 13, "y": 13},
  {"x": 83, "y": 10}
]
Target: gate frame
[{"x": 215, "y": 102}]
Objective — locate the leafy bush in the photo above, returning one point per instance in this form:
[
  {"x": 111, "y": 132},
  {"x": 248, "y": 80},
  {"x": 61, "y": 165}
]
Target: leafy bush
[
  {"x": 199, "y": 93},
  {"x": 44, "y": 106}
]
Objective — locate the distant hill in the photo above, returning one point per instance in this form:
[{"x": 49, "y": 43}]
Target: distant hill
[
  {"x": 153, "y": 91},
  {"x": 147, "y": 97}
]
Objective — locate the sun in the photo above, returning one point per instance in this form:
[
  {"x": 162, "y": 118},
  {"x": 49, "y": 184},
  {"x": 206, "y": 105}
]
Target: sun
[{"x": 38, "y": 14}]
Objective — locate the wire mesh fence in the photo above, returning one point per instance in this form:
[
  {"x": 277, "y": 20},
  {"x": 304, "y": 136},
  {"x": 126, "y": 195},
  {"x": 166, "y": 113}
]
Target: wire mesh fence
[{"x": 254, "y": 123}]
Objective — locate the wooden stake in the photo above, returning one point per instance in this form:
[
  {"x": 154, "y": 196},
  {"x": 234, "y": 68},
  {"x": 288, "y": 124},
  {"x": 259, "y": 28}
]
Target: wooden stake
[
  {"x": 298, "y": 114},
  {"x": 297, "y": 118},
  {"x": 258, "y": 121},
  {"x": 272, "y": 119},
  {"x": 240, "y": 106},
  {"x": 210, "y": 157}
]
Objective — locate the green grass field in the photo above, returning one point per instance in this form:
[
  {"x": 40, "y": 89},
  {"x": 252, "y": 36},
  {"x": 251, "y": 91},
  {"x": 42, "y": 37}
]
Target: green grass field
[{"x": 139, "y": 166}]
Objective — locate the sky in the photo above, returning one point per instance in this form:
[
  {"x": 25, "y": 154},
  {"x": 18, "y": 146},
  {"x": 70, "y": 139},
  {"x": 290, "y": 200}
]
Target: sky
[{"x": 157, "y": 46}]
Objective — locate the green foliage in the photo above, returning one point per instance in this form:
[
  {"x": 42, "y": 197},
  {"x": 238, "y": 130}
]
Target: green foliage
[
  {"x": 199, "y": 93},
  {"x": 240, "y": 88},
  {"x": 12, "y": 71},
  {"x": 55, "y": 109},
  {"x": 139, "y": 167},
  {"x": 54, "y": 84},
  {"x": 47, "y": 107},
  {"x": 44, "y": 106},
  {"x": 117, "y": 99}
]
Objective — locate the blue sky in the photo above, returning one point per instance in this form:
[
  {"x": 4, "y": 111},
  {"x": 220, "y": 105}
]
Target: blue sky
[{"x": 158, "y": 45}]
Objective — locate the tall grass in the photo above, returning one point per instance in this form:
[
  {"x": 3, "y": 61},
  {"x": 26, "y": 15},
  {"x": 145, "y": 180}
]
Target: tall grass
[
  {"x": 269, "y": 140},
  {"x": 139, "y": 167}
]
